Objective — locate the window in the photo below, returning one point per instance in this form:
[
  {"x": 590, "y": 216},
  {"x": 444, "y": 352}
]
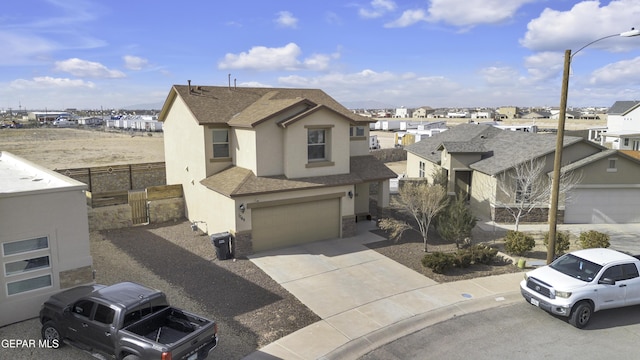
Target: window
[
  {"x": 356, "y": 131},
  {"x": 421, "y": 169},
  {"x": 21, "y": 266},
  {"x": 612, "y": 165},
  {"x": 621, "y": 272},
  {"x": 23, "y": 246},
  {"x": 316, "y": 144},
  {"x": 523, "y": 191},
  {"x": 17, "y": 287},
  {"x": 220, "y": 143},
  {"x": 626, "y": 142},
  {"x": 104, "y": 314},
  {"x": 83, "y": 308}
]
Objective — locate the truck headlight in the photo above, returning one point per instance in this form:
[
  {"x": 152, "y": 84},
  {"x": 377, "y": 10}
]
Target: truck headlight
[
  {"x": 526, "y": 277},
  {"x": 563, "y": 294}
]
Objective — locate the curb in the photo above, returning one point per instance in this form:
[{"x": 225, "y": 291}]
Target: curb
[{"x": 365, "y": 344}]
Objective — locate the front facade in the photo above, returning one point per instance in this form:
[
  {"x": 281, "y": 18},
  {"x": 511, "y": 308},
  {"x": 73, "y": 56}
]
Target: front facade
[
  {"x": 623, "y": 125},
  {"x": 42, "y": 249},
  {"x": 274, "y": 167},
  {"x": 479, "y": 160}
]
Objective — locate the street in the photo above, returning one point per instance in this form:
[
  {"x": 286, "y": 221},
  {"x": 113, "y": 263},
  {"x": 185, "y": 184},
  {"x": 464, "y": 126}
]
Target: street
[{"x": 520, "y": 331}]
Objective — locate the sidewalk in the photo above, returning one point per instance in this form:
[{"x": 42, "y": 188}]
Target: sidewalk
[{"x": 366, "y": 300}]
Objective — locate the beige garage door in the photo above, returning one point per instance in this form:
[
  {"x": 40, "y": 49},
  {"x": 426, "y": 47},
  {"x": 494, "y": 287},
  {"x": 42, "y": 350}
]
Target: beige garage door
[{"x": 292, "y": 224}]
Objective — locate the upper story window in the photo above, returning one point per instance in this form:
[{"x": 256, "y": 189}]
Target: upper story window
[
  {"x": 612, "y": 165},
  {"x": 421, "y": 169},
  {"x": 317, "y": 144},
  {"x": 220, "y": 143},
  {"x": 356, "y": 131}
]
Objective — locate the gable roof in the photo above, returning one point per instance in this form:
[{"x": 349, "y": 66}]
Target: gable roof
[
  {"x": 622, "y": 107},
  {"x": 238, "y": 181},
  {"x": 246, "y": 106},
  {"x": 503, "y": 149}
]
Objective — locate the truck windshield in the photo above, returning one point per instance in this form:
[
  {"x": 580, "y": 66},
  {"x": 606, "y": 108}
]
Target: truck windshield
[{"x": 576, "y": 267}]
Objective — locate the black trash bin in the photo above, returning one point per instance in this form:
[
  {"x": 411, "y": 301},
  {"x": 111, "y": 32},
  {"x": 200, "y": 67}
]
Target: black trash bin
[{"x": 222, "y": 243}]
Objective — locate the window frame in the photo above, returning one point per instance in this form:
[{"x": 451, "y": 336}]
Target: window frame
[
  {"x": 612, "y": 165},
  {"x": 421, "y": 169},
  {"x": 215, "y": 143},
  {"x": 319, "y": 144},
  {"x": 355, "y": 133}
]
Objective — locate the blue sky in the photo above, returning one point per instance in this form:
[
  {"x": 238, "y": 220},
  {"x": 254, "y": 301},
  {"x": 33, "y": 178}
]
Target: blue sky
[{"x": 441, "y": 53}]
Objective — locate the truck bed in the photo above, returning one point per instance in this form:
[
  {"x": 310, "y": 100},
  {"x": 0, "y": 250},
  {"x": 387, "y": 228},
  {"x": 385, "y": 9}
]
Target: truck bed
[{"x": 167, "y": 326}]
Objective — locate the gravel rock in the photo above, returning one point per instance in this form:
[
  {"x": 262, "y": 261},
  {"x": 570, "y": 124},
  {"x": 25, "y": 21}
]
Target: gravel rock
[{"x": 251, "y": 309}]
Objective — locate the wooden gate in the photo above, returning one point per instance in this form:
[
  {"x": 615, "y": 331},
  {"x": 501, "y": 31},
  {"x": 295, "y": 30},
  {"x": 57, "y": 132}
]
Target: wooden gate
[{"x": 138, "y": 203}]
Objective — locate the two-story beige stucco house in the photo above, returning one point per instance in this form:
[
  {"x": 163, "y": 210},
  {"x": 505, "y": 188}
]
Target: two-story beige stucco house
[
  {"x": 272, "y": 166},
  {"x": 476, "y": 158}
]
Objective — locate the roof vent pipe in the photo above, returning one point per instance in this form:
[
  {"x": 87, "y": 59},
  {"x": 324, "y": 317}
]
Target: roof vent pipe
[
  {"x": 189, "y": 82},
  {"x": 229, "y": 81},
  {"x": 234, "y": 84}
]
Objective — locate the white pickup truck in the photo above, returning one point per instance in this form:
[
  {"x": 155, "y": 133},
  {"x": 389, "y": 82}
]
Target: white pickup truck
[{"x": 582, "y": 282}]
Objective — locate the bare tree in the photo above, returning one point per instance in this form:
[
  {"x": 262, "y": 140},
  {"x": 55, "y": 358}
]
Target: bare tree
[
  {"x": 528, "y": 187},
  {"x": 423, "y": 201}
]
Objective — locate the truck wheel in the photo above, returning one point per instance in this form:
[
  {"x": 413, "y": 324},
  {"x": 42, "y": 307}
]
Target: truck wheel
[
  {"x": 581, "y": 314},
  {"x": 51, "y": 334},
  {"x": 131, "y": 357}
]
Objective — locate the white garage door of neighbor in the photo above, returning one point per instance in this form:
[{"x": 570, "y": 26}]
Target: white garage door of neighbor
[
  {"x": 602, "y": 206},
  {"x": 285, "y": 225}
]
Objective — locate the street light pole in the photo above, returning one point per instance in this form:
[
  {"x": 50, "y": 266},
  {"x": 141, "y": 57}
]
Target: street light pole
[{"x": 557, "y": 161}]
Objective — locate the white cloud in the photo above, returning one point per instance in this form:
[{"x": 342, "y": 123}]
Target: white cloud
[
  {"x": 47, "y": 82},
  {"x": 500, "y": 75},
  {"x": 543, "y": 66},
  {"x": 408, "y": 18},
  {"x": 378, "y": 8},
  {"x": 286, "y": 19},
  {"x": 467, "y": 13},
  {"x": 262, "y": 58},
  {"x": 84, "y": 68},
  {"x": 135, "y": 62},
  {"x": 558, "y": 30},
  {"x": 625, "y": 72}
]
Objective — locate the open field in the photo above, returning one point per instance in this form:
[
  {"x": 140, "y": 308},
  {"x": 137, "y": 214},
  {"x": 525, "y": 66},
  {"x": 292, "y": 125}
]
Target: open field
[{"x": 73, "y": 148}]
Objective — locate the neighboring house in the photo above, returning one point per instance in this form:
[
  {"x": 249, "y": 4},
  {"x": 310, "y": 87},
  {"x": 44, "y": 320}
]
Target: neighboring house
[
  {"x": 623, "y": 126},
  {"x": 272, "y": 166},
  {"x": 477, "y": 157},
  {"x": 507, "y": 112},
  {"x": 44, "y": 241},
  {"x": 422, "y": 112},
  {"x": 402, "y": 112}
]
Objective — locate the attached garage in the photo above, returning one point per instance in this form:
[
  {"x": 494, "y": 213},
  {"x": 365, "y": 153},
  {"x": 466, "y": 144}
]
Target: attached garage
[
  {"x": 292, "y": 224},
  {"x": 603, "y": 206}
]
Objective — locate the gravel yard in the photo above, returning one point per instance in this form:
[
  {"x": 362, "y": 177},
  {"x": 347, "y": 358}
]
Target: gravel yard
[{"x": 251, "y": 309}]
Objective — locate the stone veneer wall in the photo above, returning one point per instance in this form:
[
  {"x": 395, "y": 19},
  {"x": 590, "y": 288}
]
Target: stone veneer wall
[
  {"x": 242, "y": 245},
  {"x": 166, "y": 210},
  {"x": 349, "y": 228},
  {"x": 109, "y": 217},
  {"x": 75, "y": 277},
  {"x": 101, "y": 179},
  {"x": 537, "y": 215}
]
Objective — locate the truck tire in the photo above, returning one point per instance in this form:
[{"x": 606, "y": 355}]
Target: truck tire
[
  {"x": 131, "y": 357},
  {"x": 51, "y": 334},
  {"x": 581, "y": 314}
]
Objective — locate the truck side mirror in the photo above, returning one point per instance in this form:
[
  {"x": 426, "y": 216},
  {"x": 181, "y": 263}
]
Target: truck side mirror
[
  {"x": 607, "y": 281},
  {"x": 66, "y": 310}
]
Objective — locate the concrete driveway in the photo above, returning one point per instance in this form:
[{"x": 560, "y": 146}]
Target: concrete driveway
[{"x": 358, "y": 293}]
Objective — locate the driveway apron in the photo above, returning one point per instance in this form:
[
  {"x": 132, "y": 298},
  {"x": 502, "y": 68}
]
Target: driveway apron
[{"x": 334, "y": 276}]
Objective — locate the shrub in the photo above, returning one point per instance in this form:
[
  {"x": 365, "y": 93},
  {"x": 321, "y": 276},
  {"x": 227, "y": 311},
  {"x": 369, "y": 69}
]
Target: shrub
[
  {"x": 594, "y": 239},
  {"x": 518, "y": 243},
  {"x": 482, "y": 254},
  {"x": 438, "y": 261},
  {"x": 562, "y": 241},
  {"x": 463, "y": 259}
]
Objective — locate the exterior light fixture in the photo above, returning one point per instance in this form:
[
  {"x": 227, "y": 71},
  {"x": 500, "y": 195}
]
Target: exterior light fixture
[
  {"x": 350, "y": 193},
  {"x": 242, "y": 208}
]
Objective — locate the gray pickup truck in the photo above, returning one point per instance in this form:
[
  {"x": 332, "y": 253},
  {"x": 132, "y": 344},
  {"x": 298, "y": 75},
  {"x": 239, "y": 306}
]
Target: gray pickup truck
[{"x": 127, "y": 321}]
